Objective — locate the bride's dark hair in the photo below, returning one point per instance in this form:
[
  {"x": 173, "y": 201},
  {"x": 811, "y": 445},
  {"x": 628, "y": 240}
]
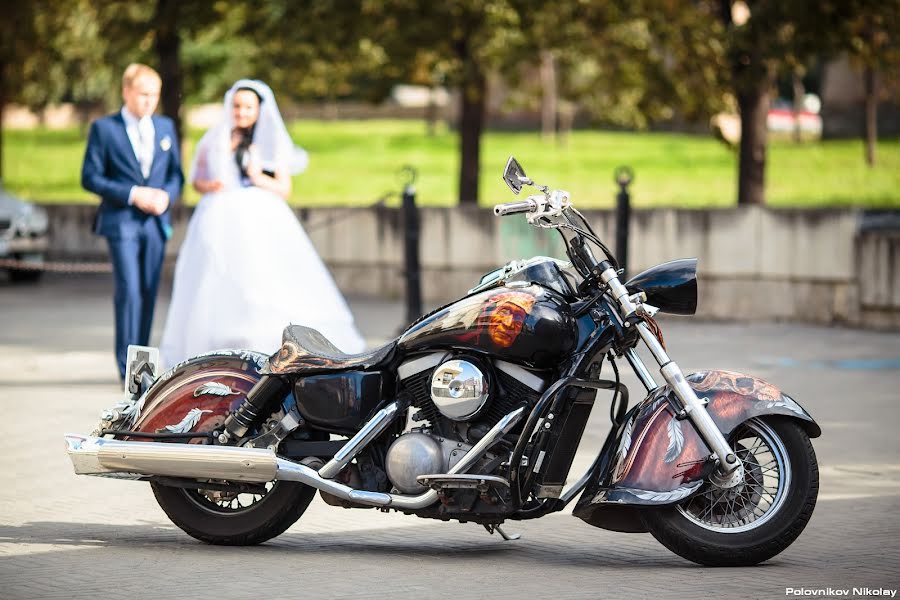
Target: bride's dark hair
[{"x": 246, "y": 136}]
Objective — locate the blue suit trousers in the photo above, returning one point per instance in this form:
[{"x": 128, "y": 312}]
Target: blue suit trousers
[{"x": 137, "y": 260}]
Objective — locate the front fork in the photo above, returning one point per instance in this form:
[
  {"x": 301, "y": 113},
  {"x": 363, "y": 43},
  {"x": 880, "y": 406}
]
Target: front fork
[{"x": 729, "y": 470}]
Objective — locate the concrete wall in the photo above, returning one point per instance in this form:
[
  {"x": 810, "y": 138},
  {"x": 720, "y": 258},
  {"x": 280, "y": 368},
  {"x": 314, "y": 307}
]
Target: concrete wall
[{"x": 817, "y": 265}]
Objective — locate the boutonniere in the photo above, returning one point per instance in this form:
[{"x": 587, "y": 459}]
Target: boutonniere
[{"x": 165, "y": 143}]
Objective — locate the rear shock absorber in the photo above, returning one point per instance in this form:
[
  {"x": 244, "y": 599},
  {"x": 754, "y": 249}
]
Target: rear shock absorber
[{"x": 259, "y": 398}]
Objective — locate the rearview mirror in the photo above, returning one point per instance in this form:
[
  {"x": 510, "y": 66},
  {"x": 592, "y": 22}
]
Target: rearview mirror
[{"x": 514, "y": 176}]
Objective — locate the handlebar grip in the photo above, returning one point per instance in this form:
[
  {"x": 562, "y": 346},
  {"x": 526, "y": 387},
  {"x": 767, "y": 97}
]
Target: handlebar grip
[{"x": 511, "y": 208}]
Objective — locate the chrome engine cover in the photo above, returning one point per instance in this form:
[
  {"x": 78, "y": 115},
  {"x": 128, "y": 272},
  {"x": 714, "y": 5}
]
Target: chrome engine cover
[
  {"x": 411, "y": 455},
  {"x": 419, "y": 453},
  {"x": 459, "y": 389}
]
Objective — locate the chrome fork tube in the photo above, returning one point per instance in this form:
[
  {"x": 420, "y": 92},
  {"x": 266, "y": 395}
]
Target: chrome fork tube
[
  {"x": 693, "y": 408},
  {"x": 371, "y": 430},
  {"x": 640, "y": 370}
]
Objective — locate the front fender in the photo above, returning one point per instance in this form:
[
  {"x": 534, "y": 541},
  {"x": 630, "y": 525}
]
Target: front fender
[
  {"x": 197, "y": 394},
  {"x": 659, "y": 459}
]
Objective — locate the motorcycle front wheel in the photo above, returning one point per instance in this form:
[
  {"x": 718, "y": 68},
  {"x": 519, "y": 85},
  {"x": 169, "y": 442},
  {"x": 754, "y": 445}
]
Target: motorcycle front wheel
[{"x": 759, "y": 517}]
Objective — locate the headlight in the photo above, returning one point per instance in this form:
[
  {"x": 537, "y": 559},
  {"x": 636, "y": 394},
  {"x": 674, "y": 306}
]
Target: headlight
[{"x": 32, "y": 220}]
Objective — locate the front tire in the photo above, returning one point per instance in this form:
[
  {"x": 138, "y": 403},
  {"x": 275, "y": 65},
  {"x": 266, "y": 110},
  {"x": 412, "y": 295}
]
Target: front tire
[
  {"x": 234, "y": 519},
  {"x": 758, "y": 518}
]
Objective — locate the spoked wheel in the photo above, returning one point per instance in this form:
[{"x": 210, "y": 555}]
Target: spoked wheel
[
  {"x": 228, "y": 503},
  {"x": 235, "y": 518},
  {"x": 760, "y": 516}
]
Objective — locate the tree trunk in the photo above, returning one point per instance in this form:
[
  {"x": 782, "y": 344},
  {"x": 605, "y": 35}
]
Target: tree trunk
[
  {"x": 2, "y": 106},
  {"x": 168, "y": 46},
  {"x": 431, "y": 112},
  {"x": 471, "y": 125},
  {"x": 753, "y": 103},
  {"x": 548, "y": 96},
  {"x": 565, "y": 119},
  {"x": 799, "y": 92},
  {"x": 871, "y": 90}
]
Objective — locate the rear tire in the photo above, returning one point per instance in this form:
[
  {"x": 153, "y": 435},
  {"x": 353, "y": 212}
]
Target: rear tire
[
  {"x": 203, "y": 518},
  {"x": 731, "y": 534}
]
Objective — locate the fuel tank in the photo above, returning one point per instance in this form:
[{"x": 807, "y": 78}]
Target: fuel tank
[{"x": 520, "y": 322}]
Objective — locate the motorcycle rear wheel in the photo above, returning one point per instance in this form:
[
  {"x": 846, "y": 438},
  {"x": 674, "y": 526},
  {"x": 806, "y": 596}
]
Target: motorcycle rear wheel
[
  {"x": 234, "y": 519},
  {"x": 757, "y": 519}
]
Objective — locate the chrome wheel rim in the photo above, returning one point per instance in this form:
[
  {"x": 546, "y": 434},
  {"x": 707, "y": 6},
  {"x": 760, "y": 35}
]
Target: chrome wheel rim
[
  {"x": 227, "y": 502},
  {"x": 758, "y": 498}
]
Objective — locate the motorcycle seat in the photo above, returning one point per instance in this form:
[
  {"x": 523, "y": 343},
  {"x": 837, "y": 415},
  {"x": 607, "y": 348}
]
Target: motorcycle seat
[{"x": 305, "y": 350}]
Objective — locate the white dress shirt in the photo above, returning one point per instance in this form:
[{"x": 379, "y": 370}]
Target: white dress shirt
[{"x": 141, "y": 134}]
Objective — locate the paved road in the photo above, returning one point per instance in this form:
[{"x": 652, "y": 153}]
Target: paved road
[{"x": 63, "y": 536}]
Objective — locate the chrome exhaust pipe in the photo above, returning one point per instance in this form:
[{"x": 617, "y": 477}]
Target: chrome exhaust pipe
[
  {"x": 291, "y": 471},
  {"x": 101, "y": 456}
]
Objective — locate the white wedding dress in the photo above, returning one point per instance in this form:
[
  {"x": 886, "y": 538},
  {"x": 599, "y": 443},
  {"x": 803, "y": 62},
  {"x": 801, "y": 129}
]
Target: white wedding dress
[{"x": 245, "y": 270}]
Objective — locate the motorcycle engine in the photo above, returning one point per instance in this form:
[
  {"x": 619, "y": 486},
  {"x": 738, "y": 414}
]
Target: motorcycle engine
[
  {"x": 456, "y": 402},
  {"x": 419, "y": 453}
]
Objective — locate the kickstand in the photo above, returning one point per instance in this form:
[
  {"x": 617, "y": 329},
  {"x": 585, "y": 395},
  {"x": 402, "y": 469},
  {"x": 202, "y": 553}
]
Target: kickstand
[{"x": 506, "y": 536}]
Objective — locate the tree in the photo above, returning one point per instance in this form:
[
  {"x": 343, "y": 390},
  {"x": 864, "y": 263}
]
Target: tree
[
  {"x": 628, "y": 64},
  {"x": 464, "y": 40},
  {"x": 17, "y": 37},
  {"x": 871, "y": 41},
  {"x": 763, "y": 38},
  {"x": 317, "y": 50},
  {"x": 158, "y": 34},
  {"x": 329, "y": 49},
  {"x": 48, "y": 54}
]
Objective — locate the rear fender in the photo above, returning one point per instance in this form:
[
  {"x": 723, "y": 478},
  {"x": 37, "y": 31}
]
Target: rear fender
[
  {"x": 661, "y": 459},
  {"x": 198, "y": 394}
]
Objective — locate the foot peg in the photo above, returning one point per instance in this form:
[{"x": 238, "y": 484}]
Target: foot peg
[{"x": 506, "y": 536}]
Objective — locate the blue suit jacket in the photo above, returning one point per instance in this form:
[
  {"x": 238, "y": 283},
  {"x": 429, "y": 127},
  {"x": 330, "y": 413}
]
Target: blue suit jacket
[{"x": 110, "y": 169}]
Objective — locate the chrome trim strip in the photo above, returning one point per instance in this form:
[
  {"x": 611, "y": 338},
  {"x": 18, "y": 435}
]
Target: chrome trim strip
[
  {"x": 417, "y": 365},
  {"x": 371, "y": 430},
  {"x": 523, "y": 375}
]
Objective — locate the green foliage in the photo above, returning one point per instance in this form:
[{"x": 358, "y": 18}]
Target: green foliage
[
  {"x": 630, "y": 64},
  {"x": 319, "y": 50},
  {"x": 671, "y": 169},
  {"x": 870, "y": 38}
]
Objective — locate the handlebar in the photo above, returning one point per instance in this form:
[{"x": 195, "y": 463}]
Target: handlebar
[{"x": 512, "y": 208}]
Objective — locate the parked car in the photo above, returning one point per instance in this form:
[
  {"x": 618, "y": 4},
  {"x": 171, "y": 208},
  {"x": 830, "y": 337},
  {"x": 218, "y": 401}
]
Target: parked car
[{"x": 23, "y": 235}]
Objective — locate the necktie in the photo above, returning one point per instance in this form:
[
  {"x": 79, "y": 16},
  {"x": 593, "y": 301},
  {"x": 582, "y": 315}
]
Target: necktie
[{"x": 145, "y": 137}]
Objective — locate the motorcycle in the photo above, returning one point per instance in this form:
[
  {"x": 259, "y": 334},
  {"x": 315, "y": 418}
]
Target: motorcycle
[{"x": 474, "y": 414}]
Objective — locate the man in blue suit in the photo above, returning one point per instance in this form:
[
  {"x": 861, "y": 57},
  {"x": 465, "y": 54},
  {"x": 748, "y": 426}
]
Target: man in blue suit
[{"x": 132, "y": 162}]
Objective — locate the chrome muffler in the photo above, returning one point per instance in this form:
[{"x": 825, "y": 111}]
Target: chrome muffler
[
  {"x": 101, "y": 456},
  {"x": 106, "y": 457}
]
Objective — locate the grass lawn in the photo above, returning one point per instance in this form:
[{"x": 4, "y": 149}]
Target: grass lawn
[{"x": 355, "y": 162}]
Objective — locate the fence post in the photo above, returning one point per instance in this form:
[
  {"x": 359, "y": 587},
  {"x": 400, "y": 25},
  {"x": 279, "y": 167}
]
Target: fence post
[
  {"x": 411, "y": 267},
  {"x": 623, "y": 177}
]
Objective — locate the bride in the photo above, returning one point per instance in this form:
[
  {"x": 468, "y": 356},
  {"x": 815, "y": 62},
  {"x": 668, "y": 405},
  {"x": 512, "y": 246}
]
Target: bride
[{"x": 246, "y": 268}]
